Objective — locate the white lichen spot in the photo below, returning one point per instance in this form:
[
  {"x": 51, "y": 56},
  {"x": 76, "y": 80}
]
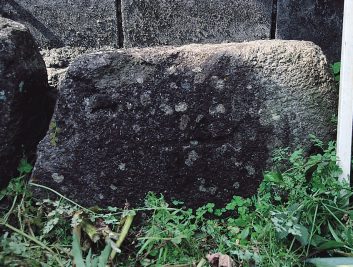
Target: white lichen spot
[
  {"x": 222, "y": 149},
  {"x": 217, "y": 83},
  {"x": 57, "y": 178},
  {"x": 194, "y": 142},
  {"x": 101, "y": 196},
  {"x": 86, "y": 102},
  {"x": 20, "y": 86},
  {"x": 249, "y": 87},
  {"x": 193, "y": 156},
  {"x": 276, "y": 117},
  {"x": 199, "y": 118},
  {"x": 168, "y": 110},
  {"x": 185, "y": 85},
  {"x": 236, "y": 185},
  {"x": 235, "y": 162},
  {"x": 145, "y": 98},
  {"x": 218, "y": 109},
  {"x": 113, "y": 187},
  {"x": 128, "y": 105},
  {"x": 184, "y": 121},
  {"x": 212, "y": 190},
  {"x": 250, "y": 170},
  {"x": 122, "y": 166},
  {"x": 220, "y": 85},
  {"x": 171, "y": 70},
  {"x": 199, "y": 78},
  {"x": 120, "y": 108},
  {"x": 173, "y": 85},
  {"x": 139, "y": 80},
  {"x": 181, "y": 107},
  {"x": 202, "y": 188},
  {"x": 197, "y": 69},
  {"x": 136, "y": 128},
  {"x": 2, "y": 96}
]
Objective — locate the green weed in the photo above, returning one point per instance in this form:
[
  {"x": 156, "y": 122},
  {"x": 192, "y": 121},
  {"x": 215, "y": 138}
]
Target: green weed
[{"x": 300, "y": 211}]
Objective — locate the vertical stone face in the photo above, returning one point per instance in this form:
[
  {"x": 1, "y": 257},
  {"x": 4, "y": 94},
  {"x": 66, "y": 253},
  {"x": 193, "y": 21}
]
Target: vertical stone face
[
  {"x": 56, "y": 23},
  {"x": 161, "y": 22},
  {"x": 197, "y": 123},
  {"x": 312, "y": 20},
  {"x": 25, "y": 102}
]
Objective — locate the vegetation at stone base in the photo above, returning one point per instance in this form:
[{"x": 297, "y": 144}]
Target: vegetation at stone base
[
  {"x": 336, "y": 68},
  {"x": 301, "y": 211}
]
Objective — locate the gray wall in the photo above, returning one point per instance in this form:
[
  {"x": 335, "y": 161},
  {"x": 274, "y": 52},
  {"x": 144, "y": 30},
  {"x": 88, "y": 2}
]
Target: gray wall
[{"x": 129, "y": 23}]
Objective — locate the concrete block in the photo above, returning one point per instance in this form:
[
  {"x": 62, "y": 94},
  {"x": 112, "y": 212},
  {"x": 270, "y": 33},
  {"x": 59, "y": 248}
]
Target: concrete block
[
  {"x": 312, "y": 20},
  {"x": 56, "y": 23},
  {"x": 161, "y": 22}
]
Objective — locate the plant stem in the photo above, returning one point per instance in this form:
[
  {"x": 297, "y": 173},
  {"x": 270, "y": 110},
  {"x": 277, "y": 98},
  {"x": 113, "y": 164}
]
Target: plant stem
[
  {"x": 62, "y": 196},
  {"x": 334, "y": 216},
  {"x": 312, "y": 230},
  {"x": 201, "y": 263},
  {"x": 91, "y": 231},
  {"x": 122, "y": 235},
  {"x": 33, "y": 239},
  {"x": 6, "y": 217}
]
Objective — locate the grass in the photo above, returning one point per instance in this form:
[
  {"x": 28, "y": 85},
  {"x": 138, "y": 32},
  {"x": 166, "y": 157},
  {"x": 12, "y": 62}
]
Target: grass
[{"x": 301, "y": 211}]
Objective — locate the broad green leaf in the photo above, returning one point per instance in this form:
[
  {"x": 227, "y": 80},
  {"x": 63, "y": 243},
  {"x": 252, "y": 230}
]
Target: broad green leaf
[
  {"x": 89, "y": 258},
  {"x": 336, "y": 67},
  {"x": 273, "y": 177},
  {"x": 335, "y": 236},
  {"x": 104, "y": 257},
  {"x": 330, "y": 245},
  {"x": 245, "y": 233},
  {"x": 349, "y": 235},
  {"x": 304, "y": 235},
  {"x": 24, "y": 167},
  {"x": 176, "y": 240},
  {"x": 77, "y": 252},
  {"x": 331, "y": 262}
]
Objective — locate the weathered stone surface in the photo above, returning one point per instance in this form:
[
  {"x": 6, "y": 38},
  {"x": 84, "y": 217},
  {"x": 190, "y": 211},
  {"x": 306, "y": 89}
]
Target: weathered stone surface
[
  {"x": 56, "y": 23},
  {"x": 25, "y": 104},
  {"x": 196, "y": 123},
  {"x": 160, "y": 22},
  {"x": 312, "y": 20},
  {"x": 57, "y": 61}
]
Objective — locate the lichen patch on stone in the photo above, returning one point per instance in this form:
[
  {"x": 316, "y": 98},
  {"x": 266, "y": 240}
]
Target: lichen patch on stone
[
  {"x": 181, "y": 107},
  {"x": 218, "y": 109},
  {"x": 2, "y": 96},
  {"x": 57, "y": 178}
]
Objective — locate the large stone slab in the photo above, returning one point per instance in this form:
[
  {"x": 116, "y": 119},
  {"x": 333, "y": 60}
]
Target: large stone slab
[
  {"x": 196, "y": 123},
  {"x": 56, "y": 23},
  {"x": 25, "y": 102},
  {"x": 160, "y": 22},
  {"x": 312, "y": 20}
]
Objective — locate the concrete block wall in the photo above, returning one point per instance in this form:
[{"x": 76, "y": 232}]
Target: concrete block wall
[
  {"x": 58, "y": 23},
  {"x": 312, "y": 20},
  {"x": 160, "y": 22},
  {"x": 130, "y": 23}
]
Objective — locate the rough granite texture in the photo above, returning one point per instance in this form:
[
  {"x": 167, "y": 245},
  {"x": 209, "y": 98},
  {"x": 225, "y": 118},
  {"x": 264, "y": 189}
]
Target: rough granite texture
[
  {"x": 312, "y": 20},
  {"x": 161, "y": 22},
  {"x": 197, "y": 123},
  {"x": 58, "y": 23},
  {"x": 25, "y": 102},
  {"x": 57, "y": 61}
]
